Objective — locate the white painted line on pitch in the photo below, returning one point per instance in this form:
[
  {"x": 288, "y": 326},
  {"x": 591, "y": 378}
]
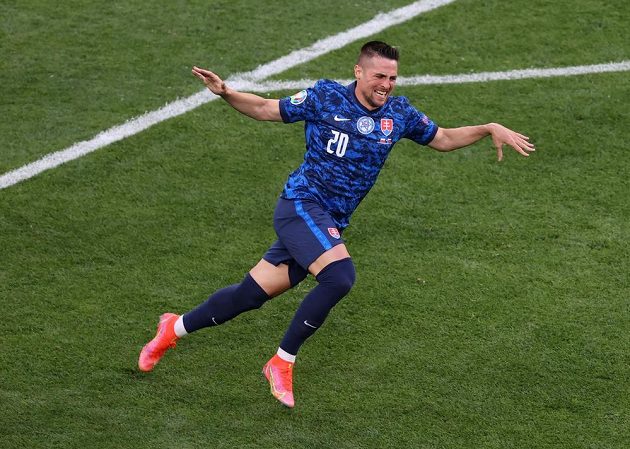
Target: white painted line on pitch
[
  {"x": 138, "y": 124},
  {"x": 516, "y": 74},
  {"x": 269, "y": 86},
  {"x": 103, "y": 139},
  {"x": 377, "y": 24}
]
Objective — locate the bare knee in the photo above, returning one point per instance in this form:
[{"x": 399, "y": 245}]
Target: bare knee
[
  {"x": 334, "y": 254},
  {"x": 274, "y": 280}
]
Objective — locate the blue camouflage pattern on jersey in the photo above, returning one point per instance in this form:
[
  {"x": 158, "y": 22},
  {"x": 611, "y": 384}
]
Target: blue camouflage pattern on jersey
[{"x": 346, "y": 144}]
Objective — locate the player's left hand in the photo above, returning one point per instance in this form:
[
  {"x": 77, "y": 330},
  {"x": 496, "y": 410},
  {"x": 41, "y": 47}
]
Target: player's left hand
[{"x": 505, "y": 136}]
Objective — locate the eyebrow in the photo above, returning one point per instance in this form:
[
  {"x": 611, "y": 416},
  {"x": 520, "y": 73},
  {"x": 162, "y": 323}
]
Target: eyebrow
[{"x": 385, "y": 75}]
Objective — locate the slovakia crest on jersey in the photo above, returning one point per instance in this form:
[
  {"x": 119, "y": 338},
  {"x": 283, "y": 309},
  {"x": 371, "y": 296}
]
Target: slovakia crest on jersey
[
  {"x": 334, "y": 233},
  {"x": 387, "y": 126}
]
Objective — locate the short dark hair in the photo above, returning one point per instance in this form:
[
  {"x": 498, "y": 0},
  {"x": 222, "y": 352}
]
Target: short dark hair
[{"x": 378, "y": 48}]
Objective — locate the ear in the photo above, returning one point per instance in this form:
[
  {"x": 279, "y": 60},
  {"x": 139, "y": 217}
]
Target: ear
[{"x": 358, "y": 71}]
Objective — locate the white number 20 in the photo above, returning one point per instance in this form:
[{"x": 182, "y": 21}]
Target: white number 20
[{"x": 341, "y": 140}]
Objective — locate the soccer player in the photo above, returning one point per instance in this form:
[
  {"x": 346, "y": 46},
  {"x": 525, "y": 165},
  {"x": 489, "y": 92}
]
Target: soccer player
[{"x": 349, "y": 132}]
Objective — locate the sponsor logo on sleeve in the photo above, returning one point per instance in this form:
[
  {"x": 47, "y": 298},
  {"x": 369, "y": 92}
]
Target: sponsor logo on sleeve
[{"x": 299, "y": 97}]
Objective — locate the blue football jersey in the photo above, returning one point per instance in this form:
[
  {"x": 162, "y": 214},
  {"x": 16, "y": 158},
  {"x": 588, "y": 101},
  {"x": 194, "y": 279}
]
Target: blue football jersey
[{"x": 346, "y": 144}]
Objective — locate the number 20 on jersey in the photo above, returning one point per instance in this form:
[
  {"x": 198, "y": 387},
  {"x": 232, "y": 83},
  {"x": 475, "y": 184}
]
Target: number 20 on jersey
[{"x": 337, "y": 144}]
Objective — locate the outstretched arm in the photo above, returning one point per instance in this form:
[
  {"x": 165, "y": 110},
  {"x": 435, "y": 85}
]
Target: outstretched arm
[
  {"x": 449, "y": 139},
  {"x": 249, "y": 104}
]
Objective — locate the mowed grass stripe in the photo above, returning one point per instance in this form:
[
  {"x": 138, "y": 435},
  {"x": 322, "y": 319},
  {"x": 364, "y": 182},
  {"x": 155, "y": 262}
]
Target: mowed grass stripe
[
  {"x": 179, "y": 107},
  {"x": 136, "y": 125}
]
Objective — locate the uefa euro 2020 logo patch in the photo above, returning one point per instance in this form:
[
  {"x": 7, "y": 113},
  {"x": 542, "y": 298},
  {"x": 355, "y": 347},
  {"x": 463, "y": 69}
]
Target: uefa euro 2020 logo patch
[
  {"x": 365, "y": 125},
  {"x": 299, "y": 97}
]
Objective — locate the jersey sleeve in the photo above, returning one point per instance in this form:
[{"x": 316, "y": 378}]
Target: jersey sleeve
[
  {"x": 420, "y": 128},
  {"x": 302, "y": 106}
]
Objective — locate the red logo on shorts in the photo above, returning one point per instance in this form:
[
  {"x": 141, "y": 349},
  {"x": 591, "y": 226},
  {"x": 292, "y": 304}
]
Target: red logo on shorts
[{"x": 334, "y": 233}]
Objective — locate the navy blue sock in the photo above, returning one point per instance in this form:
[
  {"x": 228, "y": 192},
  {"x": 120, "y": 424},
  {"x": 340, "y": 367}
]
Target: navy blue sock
[
  {"x": 335, "y": 281},
  {"x": 225, "y": 304}
]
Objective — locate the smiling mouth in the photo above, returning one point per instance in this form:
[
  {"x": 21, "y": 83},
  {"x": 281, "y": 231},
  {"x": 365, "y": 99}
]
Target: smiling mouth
[{"x": 381, "y": 94}]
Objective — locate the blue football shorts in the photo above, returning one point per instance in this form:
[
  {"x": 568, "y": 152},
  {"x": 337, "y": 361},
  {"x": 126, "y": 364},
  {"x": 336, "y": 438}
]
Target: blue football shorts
[{"x": 305, "y": 232}]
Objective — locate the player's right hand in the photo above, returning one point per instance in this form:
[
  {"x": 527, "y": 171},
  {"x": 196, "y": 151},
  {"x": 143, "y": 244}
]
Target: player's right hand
[{"x": 211, "y": 80}]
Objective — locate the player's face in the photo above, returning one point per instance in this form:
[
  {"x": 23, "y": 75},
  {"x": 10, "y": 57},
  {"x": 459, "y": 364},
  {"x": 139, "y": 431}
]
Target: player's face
[{"x": 376, "y": 79}]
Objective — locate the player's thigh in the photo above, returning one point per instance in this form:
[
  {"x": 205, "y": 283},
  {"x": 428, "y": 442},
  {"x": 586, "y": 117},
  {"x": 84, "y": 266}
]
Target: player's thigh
[
  {"x": 308, "y": 234},
  {"x": 273, "y": 279},
  {"x": 334, "y": 254}
]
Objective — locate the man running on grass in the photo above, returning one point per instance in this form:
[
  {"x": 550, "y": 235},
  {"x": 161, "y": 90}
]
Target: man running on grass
[{"x": 349, "y": 133}]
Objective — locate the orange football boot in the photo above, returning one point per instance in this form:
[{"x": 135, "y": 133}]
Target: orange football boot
[
  {"x": 279, "y": 373},
  {"x": 164, "y": 339}
]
